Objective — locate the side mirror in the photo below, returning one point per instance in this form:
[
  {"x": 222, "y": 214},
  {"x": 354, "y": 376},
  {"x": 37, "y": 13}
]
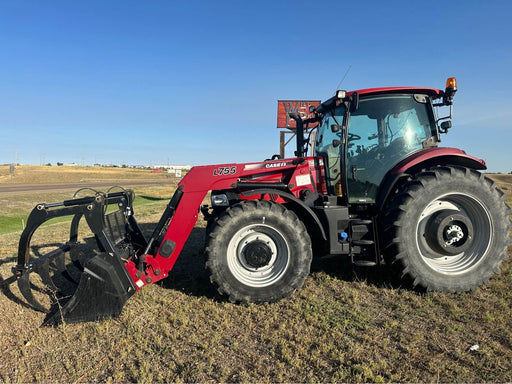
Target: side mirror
[
  {"x": 445, "y": 126},
  {"x": 354, "y": 102}
]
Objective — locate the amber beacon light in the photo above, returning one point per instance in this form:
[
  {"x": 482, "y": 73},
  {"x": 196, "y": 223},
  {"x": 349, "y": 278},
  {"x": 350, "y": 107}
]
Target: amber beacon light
[
  {"x": 451, "y": 88},
  {"x": 451, "y": 83}
]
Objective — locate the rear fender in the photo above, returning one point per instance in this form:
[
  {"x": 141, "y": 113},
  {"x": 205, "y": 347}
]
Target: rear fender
[{"x": 424, "y": 159}]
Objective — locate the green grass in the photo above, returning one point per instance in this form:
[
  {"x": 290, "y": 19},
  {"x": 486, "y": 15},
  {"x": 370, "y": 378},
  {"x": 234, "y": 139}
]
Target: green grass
[
  {"x": 10, "y": 224},
  {"x": 15, "y": 212}
]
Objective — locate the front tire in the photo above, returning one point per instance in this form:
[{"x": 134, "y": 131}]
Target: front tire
[
  {"x": 447, "y": 230},
  {"x": 258, "y": 251}
]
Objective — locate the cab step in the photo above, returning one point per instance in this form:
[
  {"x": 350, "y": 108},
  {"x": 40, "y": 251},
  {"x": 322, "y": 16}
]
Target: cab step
[{"x": 363, "y": 247}]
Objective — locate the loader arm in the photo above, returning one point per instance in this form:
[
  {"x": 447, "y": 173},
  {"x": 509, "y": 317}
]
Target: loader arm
[{"x": 181, "y": 214}]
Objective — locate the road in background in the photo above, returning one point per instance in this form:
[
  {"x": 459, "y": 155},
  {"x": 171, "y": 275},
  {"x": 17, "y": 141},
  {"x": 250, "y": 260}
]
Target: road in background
[{"x": 9, "y": 189}]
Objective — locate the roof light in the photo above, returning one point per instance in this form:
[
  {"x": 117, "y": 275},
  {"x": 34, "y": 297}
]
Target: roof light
[
  {"x": 449, "y": 92},
  {"x": 451, "y": 83},
  {"x": 340, "y": 94}
]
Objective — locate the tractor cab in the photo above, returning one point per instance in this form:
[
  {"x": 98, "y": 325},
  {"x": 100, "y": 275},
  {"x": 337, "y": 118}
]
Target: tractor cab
[{"x": 363, "y": 134}]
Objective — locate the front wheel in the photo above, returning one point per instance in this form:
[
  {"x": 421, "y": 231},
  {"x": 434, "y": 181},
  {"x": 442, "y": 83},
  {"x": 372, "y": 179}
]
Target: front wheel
[
  {"x": 447, "y": 230},
  {"x": 258, "y": 251}
]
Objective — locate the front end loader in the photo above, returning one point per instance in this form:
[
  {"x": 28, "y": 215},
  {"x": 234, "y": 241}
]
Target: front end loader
[
  {"x": 89, "y": 276},
  {"x": 378, "y": 188},
  {"x": 91, "y": 279}
]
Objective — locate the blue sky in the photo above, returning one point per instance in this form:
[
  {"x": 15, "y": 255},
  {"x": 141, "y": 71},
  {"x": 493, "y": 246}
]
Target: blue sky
[{"x": 197, "y": 82}]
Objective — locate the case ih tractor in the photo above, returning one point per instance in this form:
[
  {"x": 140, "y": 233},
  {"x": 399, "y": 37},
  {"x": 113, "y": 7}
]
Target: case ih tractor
[{"x": 377, "y": 188}]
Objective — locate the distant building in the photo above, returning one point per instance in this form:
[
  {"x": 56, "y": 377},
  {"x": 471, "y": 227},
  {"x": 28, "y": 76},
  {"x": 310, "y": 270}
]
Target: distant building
[{"x": 173, "y": 167}]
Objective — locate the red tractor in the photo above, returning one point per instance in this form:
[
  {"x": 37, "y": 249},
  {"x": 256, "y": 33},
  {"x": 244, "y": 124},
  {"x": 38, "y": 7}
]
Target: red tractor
[{"x": 378, "y": 188}]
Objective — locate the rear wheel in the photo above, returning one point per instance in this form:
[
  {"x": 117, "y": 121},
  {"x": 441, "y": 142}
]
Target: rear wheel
[
  {"x": 258, "y": 251},
  {"x": 447, "y": 230}
]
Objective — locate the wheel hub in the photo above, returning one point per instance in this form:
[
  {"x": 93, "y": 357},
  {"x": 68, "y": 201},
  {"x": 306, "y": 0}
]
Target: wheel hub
[
  {"x": 257, "y": 254},
  {"x": 454, "y": 233},
  {"x": 449, "y": 232}
]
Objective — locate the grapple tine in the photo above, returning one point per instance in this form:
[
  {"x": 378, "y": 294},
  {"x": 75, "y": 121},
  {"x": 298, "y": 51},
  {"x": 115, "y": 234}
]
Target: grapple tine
[
  {"x": 43, "y": 270},
  {"x": 59, "y": 265},
  {"x": 26, "y": 291},
  {"x": 9, "y": 281},
  {"x": 75, "y": 259},
  {"x": 69, "y": 278}
]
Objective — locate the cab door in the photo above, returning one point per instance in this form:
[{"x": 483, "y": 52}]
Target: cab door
[
  {"x": 328, "y": 146},
  {"x": 383, "y": 131}
]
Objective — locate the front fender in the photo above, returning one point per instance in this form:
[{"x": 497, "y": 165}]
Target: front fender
[{"x": 292, "y": 199}]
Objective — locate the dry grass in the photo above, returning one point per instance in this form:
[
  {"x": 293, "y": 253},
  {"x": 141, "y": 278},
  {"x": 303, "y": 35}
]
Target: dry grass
[
  {"x": 34, "y": 174},
  {"x": 343, "y": 326}
]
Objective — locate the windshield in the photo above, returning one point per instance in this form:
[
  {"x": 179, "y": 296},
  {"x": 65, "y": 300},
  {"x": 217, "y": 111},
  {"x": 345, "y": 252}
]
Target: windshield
[{"x": 382, "y": 120}]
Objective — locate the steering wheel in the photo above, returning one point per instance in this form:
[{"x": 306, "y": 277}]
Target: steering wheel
[{"x": 353, "y": 136}]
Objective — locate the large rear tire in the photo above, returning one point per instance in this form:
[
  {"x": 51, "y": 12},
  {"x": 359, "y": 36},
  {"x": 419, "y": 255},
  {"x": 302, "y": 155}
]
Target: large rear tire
[
  {"x": 258, "y": 251},
  {"x": 447, "y": 230}
]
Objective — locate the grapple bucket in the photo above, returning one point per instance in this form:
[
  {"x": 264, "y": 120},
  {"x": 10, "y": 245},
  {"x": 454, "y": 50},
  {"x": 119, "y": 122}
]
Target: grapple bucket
[
  {"x": 103, "y": 289},
  {"x": 83, "y": 279}
]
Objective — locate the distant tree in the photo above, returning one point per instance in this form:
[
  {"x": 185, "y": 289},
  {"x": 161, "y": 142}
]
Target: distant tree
[{"x": 60, "y": 164}]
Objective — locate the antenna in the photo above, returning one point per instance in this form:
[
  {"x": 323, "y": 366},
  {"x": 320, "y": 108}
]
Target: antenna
[{"x": 345, "y": 75}]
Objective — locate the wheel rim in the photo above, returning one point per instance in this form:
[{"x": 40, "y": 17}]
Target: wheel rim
[
  {"x": 258, "y": 255},
  {"x": 454, "y": 233}
]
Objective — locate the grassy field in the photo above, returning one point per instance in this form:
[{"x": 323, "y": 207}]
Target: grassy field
[
  {"x": 344, "y": 325},
  {"x": 34, "y": 174},
  {"x": 16, "y": 207}
]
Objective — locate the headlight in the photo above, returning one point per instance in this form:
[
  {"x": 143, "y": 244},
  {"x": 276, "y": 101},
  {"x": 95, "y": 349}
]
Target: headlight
[{"x": 220, "y": 200}]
